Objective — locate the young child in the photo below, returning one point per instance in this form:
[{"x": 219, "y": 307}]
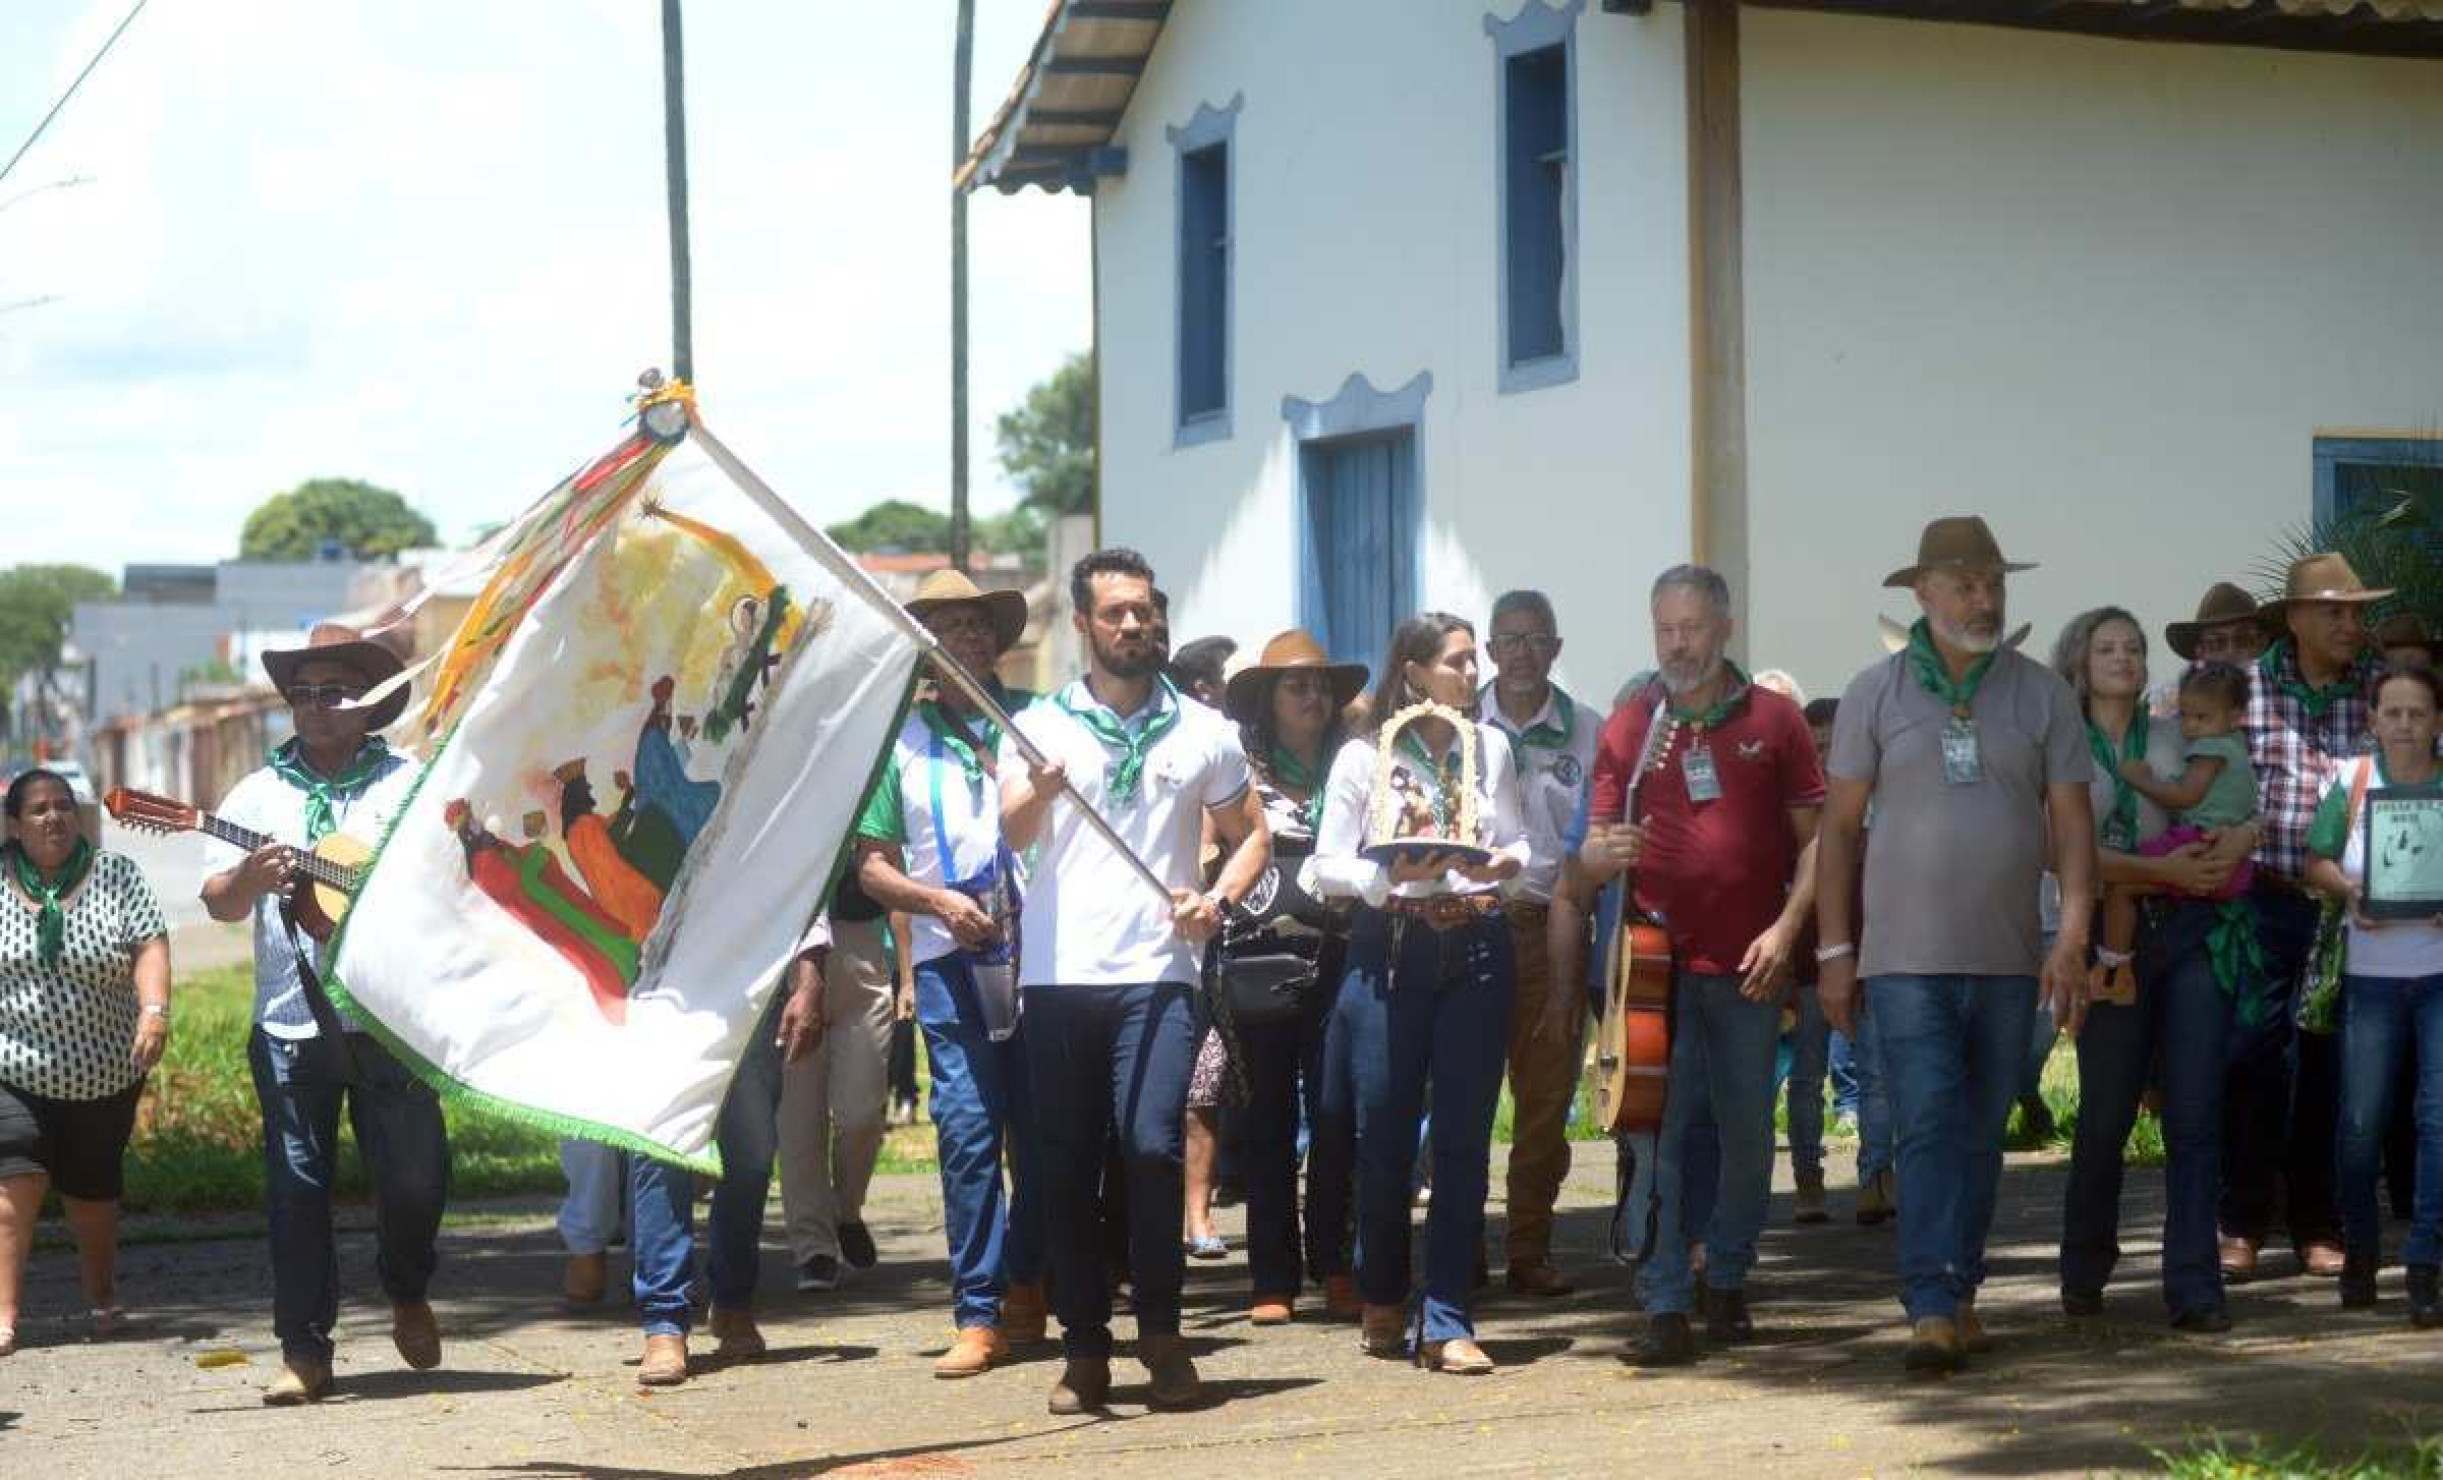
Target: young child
[{"x": 2216, "y": 789}]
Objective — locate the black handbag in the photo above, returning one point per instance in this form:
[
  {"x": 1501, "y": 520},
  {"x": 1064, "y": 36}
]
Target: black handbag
[{"x": 1268, "y": 986}]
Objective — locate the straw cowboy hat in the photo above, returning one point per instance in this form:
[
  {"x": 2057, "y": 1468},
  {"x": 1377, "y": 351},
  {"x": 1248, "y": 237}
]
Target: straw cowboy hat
[
  {"x": 1293, "y": 649},
  {"x": 371, "y": 662},
  {"x": 2326, "y": 577},
  {"x": 1961, "y": 542},
  {"x": 2404, "y": 629},
  {"x": 949, "y": 587},
  {"x": 2222, "y": 605},
  {"x": 1895, "y": 635}
]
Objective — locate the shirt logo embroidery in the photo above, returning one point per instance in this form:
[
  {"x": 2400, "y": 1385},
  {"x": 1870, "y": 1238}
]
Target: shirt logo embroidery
[
  {"x": 1751, "y": 750},
  {"x": 1566, "y": 770}
]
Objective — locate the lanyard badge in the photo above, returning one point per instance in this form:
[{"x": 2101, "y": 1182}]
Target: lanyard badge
[
  {"x": 1697, "y": 769},
  {"x": 1962, "y": 765}
]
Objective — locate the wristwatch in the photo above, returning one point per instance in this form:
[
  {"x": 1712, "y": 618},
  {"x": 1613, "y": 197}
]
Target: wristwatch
[{"x": 160, "y": 1010}]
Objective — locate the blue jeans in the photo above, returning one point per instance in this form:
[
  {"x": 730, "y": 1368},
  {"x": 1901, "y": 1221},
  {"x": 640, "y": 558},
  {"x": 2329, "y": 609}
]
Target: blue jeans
[
  {"x": 664, "y": 1196},
  {"x": 1810, "y": 1056},
  {"x": 590, "y": 1214},
  {"x": 1102, "y": 1059},
  {"x": 1280, "y": 1058},
  {"x": 1721, "y": 1072},
  {"x": 1875, "y": 1151},
  {"x": 300, "y": 1084},
  {"x": 2181, "y": 1021},
  {"x": 2384, "y": 1021},
  {"x": 1841, "y": 1066},
  {"x": 2281, "y": 1104},
  {"x": 1953, "y": 1050},
  {"x": 1426, "y": 1013},
  {"x": 982, "y": 1117}
]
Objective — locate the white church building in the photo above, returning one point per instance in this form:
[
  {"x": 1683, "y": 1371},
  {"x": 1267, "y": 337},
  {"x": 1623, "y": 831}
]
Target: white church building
[{"x": 1401, "y": 303}]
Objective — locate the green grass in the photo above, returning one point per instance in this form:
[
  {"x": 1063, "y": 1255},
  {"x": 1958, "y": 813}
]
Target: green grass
[
  {"x": 198, "y": 1145},
  {"x": 2218, "y": 1458},
  {"x": 198, "y": 1142}
]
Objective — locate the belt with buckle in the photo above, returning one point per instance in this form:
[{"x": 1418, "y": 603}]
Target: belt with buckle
[{"x": 1444, "y": 911}]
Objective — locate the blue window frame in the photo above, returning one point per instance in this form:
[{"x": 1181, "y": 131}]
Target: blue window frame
[
  {"x": 1535, "y": 57},
  {"x": 2367, "y": 475},
  {"x": 1360, "y": 512},
  {"x": 1205, "y": 251}
]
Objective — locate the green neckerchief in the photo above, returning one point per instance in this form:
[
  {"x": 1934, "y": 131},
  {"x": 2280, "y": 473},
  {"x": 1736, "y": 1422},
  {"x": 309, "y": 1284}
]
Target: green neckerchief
[
  {"x": 321, "y": 820},
  {"x": 1126, "y": 767},
  {"x": 2287, "y": 677},
  {"x": 1732, "y": 697},
  {"x": 2238, "y": 957},
  {"x": 1446, "y": 779},
  {"x": 51, "y": 931},
  {"x": 1928, "y": 667},
  {"x": 1291, "y": 773},
  {"x": 1542, "y": 736},
  {"x": 2120, "y": 826},
  {"x": 959, "y": 739}
]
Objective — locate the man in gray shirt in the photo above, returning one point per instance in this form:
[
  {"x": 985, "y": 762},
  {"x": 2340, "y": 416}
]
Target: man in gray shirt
[{"x": 1972, "y": 756}]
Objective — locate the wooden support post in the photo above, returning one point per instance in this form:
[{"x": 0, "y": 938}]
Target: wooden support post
[{"x": 1717, "y": 336}]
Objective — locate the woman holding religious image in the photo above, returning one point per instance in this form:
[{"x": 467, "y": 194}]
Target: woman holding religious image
[
  {"x": 2392, "y": 993},
  {"x": 84, "y": 1016},
  {"x": 1425, "y": 1001},
  {"x": 2192, "y": 976}
]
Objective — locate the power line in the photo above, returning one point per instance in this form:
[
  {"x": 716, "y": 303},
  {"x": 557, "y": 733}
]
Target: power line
[{"x": 112, "y": 41}]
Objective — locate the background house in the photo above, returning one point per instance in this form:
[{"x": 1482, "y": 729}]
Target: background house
[{"x": 1404, "y": 302}]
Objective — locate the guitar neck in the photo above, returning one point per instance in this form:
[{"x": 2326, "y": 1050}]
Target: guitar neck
[{"x": 319, "y": 869}]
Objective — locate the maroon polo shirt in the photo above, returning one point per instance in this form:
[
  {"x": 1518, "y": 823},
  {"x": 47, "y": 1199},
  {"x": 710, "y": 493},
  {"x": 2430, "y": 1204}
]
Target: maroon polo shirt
[{"x": 1716, "y": 872}]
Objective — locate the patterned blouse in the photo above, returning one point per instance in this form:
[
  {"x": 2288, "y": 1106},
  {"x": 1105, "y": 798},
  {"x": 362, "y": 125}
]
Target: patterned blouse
[{"x": 65, "y": 1031}]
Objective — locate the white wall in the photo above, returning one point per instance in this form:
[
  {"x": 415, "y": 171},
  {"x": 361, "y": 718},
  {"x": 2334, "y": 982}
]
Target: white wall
[
  {"x": 1365, "y": 198},
  {"x": 2103, "y": 292}
]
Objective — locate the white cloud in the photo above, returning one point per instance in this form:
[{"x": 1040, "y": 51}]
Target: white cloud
[{"x": 425, "y": 245}]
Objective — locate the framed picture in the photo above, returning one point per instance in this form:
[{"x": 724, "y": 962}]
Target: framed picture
[{"x": 2404, "y": 844}]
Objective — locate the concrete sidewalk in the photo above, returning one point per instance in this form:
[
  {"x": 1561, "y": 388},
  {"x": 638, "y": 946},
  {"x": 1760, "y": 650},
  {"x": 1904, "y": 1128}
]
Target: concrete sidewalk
[{"x": 527, "y": 1389}]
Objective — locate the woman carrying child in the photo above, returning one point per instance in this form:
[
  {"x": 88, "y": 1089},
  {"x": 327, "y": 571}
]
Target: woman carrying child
[{"x": 2180, "y": 1013}]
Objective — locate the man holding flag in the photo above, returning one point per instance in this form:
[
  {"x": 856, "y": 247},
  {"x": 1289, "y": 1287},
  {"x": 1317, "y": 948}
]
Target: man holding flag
[{"x": 1108, "y": 967}]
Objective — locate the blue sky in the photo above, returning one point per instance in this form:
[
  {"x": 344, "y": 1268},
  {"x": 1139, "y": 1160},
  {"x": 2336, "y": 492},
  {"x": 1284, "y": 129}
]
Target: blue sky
[{"x": 424, "y": 245}]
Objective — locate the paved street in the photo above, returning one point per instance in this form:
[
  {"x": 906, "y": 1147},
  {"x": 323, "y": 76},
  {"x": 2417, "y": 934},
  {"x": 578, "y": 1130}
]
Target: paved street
[{"x": 530, "y": 1390}]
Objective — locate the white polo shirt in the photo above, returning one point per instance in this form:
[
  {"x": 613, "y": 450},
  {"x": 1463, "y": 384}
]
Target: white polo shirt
[
  {"x": 1089, "y": 919},
  {"x": 1555, "y": 752},
  {"x": 925, "y": 803}
]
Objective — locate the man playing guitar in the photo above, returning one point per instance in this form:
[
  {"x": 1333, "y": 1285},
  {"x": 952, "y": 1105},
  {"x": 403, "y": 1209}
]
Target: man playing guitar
[{"x": 1722, "y": 849}]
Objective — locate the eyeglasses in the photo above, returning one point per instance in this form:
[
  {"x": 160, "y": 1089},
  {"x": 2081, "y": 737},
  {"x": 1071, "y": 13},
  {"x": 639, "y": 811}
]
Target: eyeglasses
[
  {"x": 1542, "y": 644},
  {"x": 322, "y": 695}
]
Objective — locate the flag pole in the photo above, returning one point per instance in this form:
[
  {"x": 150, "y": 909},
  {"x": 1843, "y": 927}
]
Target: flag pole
[
  {"x": 674, "y": 153},
  {"x": 950, "y": 668}
]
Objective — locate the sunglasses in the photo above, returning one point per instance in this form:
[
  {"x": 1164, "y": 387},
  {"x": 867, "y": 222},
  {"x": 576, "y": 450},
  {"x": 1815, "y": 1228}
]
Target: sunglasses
[{"x": 323, "y": 695}]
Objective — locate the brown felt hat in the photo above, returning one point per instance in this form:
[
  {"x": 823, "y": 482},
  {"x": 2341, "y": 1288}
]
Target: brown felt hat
[
  {"x": 950, "y": 587},
  {"x": 2326, "y": 577},
  {"x": 2222, "y": 605},
  {"x": 1961, "y": 542},
  {"x": 1289, "y": 650},
  {"x": 371, "y": 662}
]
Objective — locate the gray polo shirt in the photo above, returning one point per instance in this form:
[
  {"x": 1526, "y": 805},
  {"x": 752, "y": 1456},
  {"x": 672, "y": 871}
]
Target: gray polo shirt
[{"x": 1952, "y": 870}]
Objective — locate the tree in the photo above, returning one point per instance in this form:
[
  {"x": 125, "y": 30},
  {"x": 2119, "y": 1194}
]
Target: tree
[
  {"x": 894, "y": 524},
  {"x": 365, "y": 521},
  {"x": 36, "y": 603},
  {"x": 1047, "y": 441}
]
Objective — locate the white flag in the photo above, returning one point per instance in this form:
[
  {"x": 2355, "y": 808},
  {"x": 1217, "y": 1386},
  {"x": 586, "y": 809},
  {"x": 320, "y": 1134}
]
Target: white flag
[{"x": 645, "y": 749}]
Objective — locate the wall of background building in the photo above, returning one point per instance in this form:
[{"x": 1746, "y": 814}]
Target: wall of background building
[
  {"x": 1365, "y": 200},
  {"x": 2104, "y": 292}
]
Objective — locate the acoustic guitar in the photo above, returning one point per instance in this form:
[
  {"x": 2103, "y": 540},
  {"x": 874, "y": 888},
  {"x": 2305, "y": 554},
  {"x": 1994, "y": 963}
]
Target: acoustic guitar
[
  {"x": 332, "y": 872},
  {"x": 1633, "y": 1047}
]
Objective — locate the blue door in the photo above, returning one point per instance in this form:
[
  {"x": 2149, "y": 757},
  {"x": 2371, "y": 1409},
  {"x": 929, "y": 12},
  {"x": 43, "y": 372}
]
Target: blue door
[{"x": 1360, "y": 565}]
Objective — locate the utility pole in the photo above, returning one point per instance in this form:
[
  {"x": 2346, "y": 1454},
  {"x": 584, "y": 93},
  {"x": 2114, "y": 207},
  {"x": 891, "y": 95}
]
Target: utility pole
[
  {"x": 674, "y": 146},
  {"x": 961, "y": 67}
]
